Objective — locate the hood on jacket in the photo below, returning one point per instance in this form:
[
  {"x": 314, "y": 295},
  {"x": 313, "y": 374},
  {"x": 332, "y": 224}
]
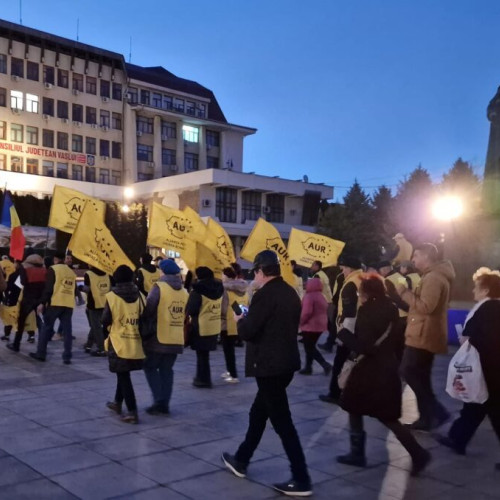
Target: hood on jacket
[
  {"x": 174, "y": 280},
  {"x": 314, "y": 285},
  {"x": 33, "y": 260},
  {"x": 127, "y": 291},
  {"x": 210, "y": 288},
  {"x": 238, "y": 286},
  {"x": 445, "y": 268}
]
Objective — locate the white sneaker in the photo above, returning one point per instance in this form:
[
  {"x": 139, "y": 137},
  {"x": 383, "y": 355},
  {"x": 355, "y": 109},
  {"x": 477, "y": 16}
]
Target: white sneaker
[
  {"x": 225, "y": 375},
  {"x": 231, "y": 380}
]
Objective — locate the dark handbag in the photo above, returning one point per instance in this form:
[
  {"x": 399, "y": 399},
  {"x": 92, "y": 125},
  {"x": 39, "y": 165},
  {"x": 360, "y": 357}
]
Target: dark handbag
[{"x": 147, "y": 324}]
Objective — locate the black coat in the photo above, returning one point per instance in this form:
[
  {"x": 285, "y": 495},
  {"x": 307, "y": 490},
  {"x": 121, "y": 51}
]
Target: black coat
[
  {"x": 374, "y": 386},
  {"x": 483, "y": 332},
  {"x": 270, "y": 329}
]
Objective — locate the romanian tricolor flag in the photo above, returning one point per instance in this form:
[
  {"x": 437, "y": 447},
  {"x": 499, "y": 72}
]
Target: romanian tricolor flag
[{"x": 11, "y": 219}]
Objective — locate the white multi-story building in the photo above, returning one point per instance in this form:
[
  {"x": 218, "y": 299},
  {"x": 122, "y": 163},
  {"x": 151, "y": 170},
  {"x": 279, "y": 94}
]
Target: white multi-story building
[{"x": 80, "y": 116}]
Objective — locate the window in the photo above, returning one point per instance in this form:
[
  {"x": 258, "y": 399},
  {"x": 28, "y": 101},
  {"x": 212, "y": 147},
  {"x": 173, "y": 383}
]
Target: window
[
  {"x": 212, "y": 162},
  {"x": 104, "y": 148},
  {"x": 32, "y": 135},
  {"x": 32, "y": 71},
  {"x": 133, "y": 95},
  {"x": 90, "y": 115},
  {"x": 201, "y": 110},
  {"x": 141, "y": 176},
  {"x": 3, "y": 97},
  {"x": 144, "y": 125},
  {"x": 213, "y": 138},
  {"x": 16, "y": 164},
  {"x": 48, "y": 74},
  {"x": 48, "y": 168},
  {"x": 91, "y": 85},
  {"x": 190, "y": 162},
  {"x": 17, "y": 67},
  {"x": 32, "y": 103},
  {"x": 144, "y": 153},
  {"x": 104, "y": 118},
  {"x": 189, "y": 133},
  {"x": 77, "y": 113},
  {"x": 16, "y": 132},
  {"x": 105, "y": 88},
  {"x": 116, "y": 178},
  {"x": 78, "y": 82},
  {"x": 145, "y": 97},
  {"x": 62, "y": 140},
  {"x": 76, "y": 172},
  {"x": 3, "y": 130},
  {"x": 276, "y": 206},
  {"x": 156, "y": 101},
  {"x": 16, "y": 100},
  {"x": 48, "y": 106},
  {"x": 251, "y": 205},
  {"x": 62, "y": 109},
  {"x": 168, "y": 130},
  {"x": 179, "y": 104},
  {"x": 116, "y": 121},
  {"x": 77, "y": 143},
  {"x": 117, "y": 91},
  {"x": 90, "y": 145},
  {"x": 225, "y": 204},
  {"x": 62, "y": 78},
  {"x": 90, "y": 174},
  {"x": 3, "y": 66},
  {"x": 3, "y": 162},
  {"x": 167, "y": 102},
  {"x": 168, "y": 157},
  {"x": 62, "y": 170},
  {"x": 190, "y": 108},
  {"x": 32, "y": 166},
  {"x": 116, "y": 150},
  {"x": 47, "y": 138},
  {"x": 104, "y": 176}
]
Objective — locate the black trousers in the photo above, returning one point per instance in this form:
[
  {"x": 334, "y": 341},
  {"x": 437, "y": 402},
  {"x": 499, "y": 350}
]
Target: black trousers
[
  {"x": 471, "y": 416},
  {"x": 312, "y": 353},
  {"x": 228, "y": 343},
  {"x": 416, "y": 368},
  {"x": 203, "y": 366},
  {"x": 271, "y": 402},
  {"x": 341, "y": 355},
  {"x": 25, "y": 308},
  {"x": 125, "y": 391}
]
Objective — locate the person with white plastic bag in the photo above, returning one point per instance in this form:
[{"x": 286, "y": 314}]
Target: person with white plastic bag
[{"x": 482, "y": 331}]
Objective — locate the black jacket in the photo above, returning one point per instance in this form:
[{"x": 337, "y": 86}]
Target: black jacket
[
  {"x": 270, "y": 329},
  {"x": 374, "y": 386},
  {"x": 139, "y": 277}
]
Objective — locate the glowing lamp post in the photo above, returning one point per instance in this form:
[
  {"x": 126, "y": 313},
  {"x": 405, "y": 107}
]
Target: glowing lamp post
[
  {"x": 128, "y": 193},
  {"x": 447, "y": 209}
]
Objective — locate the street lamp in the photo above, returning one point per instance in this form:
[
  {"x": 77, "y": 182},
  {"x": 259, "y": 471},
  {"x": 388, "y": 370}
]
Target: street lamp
[
  {"x": 447, "y": 209},
  {"x": 128, "y": 193}
]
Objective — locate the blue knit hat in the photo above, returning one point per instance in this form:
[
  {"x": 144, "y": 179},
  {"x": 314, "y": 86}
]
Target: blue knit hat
[{"x": 169, "y": 266}]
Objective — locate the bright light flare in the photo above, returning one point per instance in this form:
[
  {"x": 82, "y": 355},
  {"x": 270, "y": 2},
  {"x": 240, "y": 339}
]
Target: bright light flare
[
  {"x": 448, "y": 208},
  {"x": 128, "y": 192},
  {"x": 125, "y": 209}
]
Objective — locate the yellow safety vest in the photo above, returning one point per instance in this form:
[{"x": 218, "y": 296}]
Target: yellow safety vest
[
  {"x": 325, "y": 282},
  {"x": 99, "y": 287},
  {"x": 243, "y": 301},
  {"x": 209, "y": 319},
  {"x": 150, "y": 279},
  {"x": 398, "y": 279},
  {"x": 7, "y": 267},
  {"x": 171, "y": 312},
  {"x": 124, "y": 332},
  {"x": 354, "y": 277},
  {"x": 64, "y": 286},
  {"x": 415, "y": 280}
]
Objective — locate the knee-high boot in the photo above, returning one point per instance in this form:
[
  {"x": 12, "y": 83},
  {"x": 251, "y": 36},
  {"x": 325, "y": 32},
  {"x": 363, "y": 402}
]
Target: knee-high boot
[{"x": 356, "y": 456}]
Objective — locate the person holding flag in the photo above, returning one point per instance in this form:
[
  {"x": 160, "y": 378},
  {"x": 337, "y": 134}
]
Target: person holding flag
[{"x": 11, "y": 220}]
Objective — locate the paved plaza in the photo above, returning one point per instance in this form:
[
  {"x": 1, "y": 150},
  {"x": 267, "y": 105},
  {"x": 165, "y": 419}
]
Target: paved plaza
[{"x": 59, "y": 441}]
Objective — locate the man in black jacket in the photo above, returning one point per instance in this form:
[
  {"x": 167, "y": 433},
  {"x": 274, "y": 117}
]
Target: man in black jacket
[{"x": 272, "y": 356}]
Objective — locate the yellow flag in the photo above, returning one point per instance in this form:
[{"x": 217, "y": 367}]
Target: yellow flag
[
  {"x": 265, "y": 236},
  {"x": 219, "y": 242},
  {"x": 199, "y": 228},
  {"x": 305, "y": 248},
  {"x": 205, "y": 256},
  {"x": 93, "y": 243},
  {"x": 67, "y": 207}
]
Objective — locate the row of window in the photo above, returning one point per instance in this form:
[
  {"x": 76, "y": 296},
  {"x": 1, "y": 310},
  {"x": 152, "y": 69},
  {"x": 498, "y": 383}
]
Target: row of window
[
  {"x": 61, "y": 77},
  {"x": 168, "y": 158},
  {"x": 145, "y": 125}
]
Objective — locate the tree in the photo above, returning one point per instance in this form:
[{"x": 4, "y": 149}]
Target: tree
[{"x": 383, "y": 210}]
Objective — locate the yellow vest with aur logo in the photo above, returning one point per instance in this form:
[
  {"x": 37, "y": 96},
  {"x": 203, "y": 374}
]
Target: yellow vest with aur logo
[
  {"x": 150, "y": 279},
  {"x": 64, "y": 286},
  {"x": 171, "y": 312},
  {"x": 99, "y": 287},
  {"x": 124, "y": 332},
  {"x": 209, "y": 319},
  {"x": 242, "y": 300}
]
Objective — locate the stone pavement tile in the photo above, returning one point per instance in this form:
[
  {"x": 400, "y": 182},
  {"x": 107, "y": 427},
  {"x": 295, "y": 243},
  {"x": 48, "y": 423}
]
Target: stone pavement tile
[
  {"x": 489, "y": 484},
  {"x": 461, "y": 493},
  {"x": 178, "y": 436},
  {"x": 62, "y": 459},
  {"x": 42, "y": 489},
  {"x": 31, "y": 440},
  {"x": 227, "y": 426},
  {"x": 16, "y": 423},
  {"x": 104, "y": 481},
  {"x": 339, "y": 489},
  {"x": 93, "y": 429},
  {"x": 13, "y": 471},
  {"x": 58, "y": 414},
  {"x": 169, "y": 466},
  {"x": 159, "y": 493},
  {"x": 6, "y": 397},
  {"x": 126, "y": 446},
  {"x": 312, "y": 410},
  {"x": 222, "y": 484}
]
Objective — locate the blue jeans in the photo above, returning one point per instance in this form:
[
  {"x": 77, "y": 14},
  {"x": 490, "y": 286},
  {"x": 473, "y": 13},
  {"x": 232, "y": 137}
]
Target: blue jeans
[
  {"x": 64, "y": 315},
  {"x": 159, "y": 372}
]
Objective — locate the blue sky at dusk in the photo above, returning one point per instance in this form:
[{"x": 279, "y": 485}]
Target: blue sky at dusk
[{"x": 336, "y": 89}]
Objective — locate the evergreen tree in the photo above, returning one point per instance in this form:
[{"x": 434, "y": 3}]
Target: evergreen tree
[{"x": 383, "y": 208}]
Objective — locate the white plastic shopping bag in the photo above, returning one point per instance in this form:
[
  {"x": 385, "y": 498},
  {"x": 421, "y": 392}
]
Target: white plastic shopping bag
[{"x": 465, "y": 376}]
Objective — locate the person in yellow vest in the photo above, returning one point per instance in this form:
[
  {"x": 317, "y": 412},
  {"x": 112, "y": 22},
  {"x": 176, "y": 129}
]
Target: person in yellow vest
[
  {"x": 146, "y": 275},
  {"x": 120, "y": 322},
  {"x": 235, "y": 290},
  {"x": 7, "y": 266},
  {"x": 299, "y": 280},
  {"x": 405, "y": 249},
  {"x": 204, "y": 310},
  {"x": 346, "y": 319},
  {"x": 165, "y": 310},
  {"x": 407, "y": 269},
  {"x": 57, "y": 302},
  {"x": 96, "y": 284}
]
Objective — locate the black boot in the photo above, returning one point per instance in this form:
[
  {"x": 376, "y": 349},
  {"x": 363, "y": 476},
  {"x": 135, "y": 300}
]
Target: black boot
[
  {"x": 327, "y": 368},
  {"x": 356, "y": 456}
]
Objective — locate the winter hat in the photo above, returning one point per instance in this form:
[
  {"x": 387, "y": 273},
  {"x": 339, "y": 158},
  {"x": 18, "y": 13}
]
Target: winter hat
[
  {"x": 146, "y": 258},
  {"x": 34, "y": 259},
  {"x": 349, "y": 261},
  {"x": 169, "y": 266},
  {"x": 204, "y": 273},
  {"x": 123, "y": 274}
]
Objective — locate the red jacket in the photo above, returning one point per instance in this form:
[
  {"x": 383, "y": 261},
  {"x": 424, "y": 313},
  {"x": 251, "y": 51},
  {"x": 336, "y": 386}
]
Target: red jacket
[{"x": 314, "y": 316}]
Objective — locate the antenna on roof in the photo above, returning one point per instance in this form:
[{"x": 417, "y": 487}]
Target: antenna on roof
[
  {"x": 305, "y": 178},
  {"x": 77, "y": 29},
  {"x": 130, "y": 51},
  {"x": 20, "y": 11}
]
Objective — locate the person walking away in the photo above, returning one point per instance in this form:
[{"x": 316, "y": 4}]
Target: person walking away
[
  {"x": 313, "y": 322},
  {"x": 120, "y": 322},
  {"x": 481, "y": 329},
  {"x": 272, "y": 356},
  {"x": 426, "y": 332},
  {"x": 374, "y": 387},
  {"x": 204, "y": 310},
  {"x": 147, "y": 274},
  {"x": 327, "y": 346},
  {"x": 166, "y": 309}
]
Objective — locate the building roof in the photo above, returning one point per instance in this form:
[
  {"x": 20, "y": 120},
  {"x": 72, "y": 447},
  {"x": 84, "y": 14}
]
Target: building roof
[{"x": 157, "y": 75}]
